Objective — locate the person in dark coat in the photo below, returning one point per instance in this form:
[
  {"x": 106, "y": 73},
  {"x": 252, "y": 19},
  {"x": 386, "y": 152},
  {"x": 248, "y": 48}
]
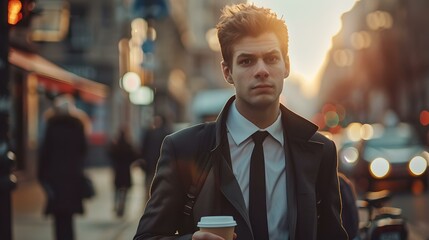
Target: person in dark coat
[
  {"x": 301, "y": 199},
  {"x": 350, "y": 215},
  {"x": 61, "y": 165},
  {"x": 151, "y": 145},
  {"x": 122, "y": 154}
]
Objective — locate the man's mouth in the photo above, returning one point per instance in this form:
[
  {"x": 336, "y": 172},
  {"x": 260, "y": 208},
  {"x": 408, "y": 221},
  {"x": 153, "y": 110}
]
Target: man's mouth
[{"x": 262, "y": 86}]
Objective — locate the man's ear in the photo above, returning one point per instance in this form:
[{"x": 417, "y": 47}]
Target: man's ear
[
  {"x": 287, "y": 66},
  {"x": 226, "y": 73}
]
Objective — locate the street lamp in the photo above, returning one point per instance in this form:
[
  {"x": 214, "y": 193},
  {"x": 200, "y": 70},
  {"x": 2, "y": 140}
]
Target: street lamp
[
  {"x": 142, "y": 96},
  {"x": 130, "y": 82}
]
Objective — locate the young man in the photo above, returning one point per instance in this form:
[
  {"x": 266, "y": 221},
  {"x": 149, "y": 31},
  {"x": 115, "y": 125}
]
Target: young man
[{"x": 302, "y": 199}]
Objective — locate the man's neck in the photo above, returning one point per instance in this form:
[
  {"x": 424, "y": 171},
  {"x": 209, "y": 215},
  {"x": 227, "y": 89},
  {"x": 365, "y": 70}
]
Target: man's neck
[{"x": 262, "y": 117}]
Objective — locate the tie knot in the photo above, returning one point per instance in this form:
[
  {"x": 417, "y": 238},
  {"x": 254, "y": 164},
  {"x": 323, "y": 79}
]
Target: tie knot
[{"x": 259, "y": 136}]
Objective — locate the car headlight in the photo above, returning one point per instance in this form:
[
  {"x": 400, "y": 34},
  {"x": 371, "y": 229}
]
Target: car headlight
[
  {"x": 350, "y": 155},
  {"x": 418, "y": 165},
  {"x": 379, "y": 167}
]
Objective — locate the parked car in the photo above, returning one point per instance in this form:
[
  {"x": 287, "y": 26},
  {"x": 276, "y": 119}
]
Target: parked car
[{"x": 384, "y": 153}]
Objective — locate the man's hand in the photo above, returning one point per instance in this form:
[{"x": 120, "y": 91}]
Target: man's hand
[{"x": 208, "y": 236}]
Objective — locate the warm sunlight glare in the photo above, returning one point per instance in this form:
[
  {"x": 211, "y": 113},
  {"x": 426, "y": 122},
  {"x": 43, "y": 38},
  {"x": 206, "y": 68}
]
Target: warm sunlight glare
[{"x": 312, "y": 24}]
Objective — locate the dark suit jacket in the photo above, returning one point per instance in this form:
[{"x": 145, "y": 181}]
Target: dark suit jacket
[{"x": 311, "y": 172}]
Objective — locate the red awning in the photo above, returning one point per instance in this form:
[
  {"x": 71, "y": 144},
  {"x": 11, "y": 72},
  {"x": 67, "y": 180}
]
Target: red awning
[{"x": 54, "y": 78}]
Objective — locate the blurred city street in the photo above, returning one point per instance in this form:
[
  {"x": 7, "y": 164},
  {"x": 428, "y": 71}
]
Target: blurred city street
[
  {"x": 99, "y": 220},
  {"x": 360, "y": 72}
]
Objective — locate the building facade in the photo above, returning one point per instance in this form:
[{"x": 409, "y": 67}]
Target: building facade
[{"x": 379, "y": 62}]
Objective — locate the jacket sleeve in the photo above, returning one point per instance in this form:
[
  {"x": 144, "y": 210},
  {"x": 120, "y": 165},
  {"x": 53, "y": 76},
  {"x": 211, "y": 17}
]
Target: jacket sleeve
[
  {"x": 329, "y": 198},
  {"x": 163, "y": 213}
]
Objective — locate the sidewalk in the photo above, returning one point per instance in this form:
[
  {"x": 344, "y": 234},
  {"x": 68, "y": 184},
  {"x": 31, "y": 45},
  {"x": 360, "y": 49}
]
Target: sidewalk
[{"x": 99, "y": 221}]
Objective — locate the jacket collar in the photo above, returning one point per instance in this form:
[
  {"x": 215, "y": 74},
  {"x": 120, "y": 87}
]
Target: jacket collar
[{"x": 296, "y": 127}]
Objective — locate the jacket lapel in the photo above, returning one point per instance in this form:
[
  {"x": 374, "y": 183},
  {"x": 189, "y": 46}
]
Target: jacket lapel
[
  {"x": 231, "y": 190},
  {"x": 228, "y": 183},
  {"x": 302, "y": 159}
]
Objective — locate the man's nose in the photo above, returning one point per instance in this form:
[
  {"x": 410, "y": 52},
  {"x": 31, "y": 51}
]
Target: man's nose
[{"x": 261, "y": 70}]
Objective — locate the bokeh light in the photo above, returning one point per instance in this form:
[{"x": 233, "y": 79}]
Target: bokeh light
[
  {"x": 380, "y": 167},
  {"x": 424, "y": 118},
  {"x": 130, "y": 82},
  {"x": 353, "y": 131}
]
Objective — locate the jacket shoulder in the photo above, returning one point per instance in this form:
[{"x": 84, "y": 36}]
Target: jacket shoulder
[
  {"x": 327, "y": 142},
  {"x": 319, "y": 137},
  {"x": 193, "y": 134},
  {"x": 191, "y": 146},
  {"x": 190, "y": 141}
]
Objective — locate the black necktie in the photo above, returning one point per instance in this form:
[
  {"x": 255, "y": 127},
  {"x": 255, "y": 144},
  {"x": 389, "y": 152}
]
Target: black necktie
[{"x": 257, "y": 202}]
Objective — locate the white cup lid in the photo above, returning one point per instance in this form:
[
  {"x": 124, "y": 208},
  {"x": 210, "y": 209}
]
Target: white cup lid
[{"x": 217, "y": 221}]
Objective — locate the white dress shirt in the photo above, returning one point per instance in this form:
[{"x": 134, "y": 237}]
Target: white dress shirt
[{"x": 239, "y": 130}]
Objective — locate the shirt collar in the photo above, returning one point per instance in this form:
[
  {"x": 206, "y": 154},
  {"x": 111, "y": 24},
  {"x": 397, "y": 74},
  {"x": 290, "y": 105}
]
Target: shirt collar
[{"x": 240, "y": 128}]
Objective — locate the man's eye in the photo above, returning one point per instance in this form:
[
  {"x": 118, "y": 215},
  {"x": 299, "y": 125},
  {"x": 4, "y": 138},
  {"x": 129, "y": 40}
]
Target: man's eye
[
  {"x": 247, "y": 61},
  {"x": 272, "y": 59}
]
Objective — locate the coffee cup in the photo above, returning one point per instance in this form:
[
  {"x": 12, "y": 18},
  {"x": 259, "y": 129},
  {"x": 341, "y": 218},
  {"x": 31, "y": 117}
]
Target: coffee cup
[{"x": 220, "y": 225}]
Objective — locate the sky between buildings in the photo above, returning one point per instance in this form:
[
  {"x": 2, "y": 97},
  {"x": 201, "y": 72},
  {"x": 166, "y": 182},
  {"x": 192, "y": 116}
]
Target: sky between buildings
[{"x": 312, "y": 24}]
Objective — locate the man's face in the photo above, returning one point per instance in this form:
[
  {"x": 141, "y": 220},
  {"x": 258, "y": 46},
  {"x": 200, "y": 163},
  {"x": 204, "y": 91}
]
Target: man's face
[{"x": 258, "y": 71}]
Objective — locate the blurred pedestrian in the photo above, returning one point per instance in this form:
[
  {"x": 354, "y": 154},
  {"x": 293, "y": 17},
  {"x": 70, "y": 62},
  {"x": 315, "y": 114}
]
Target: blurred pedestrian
[
  {"x": 150, "y": 146},
  {"x": 122, "y": 154},
  {"x": 61, "y": 164},
  {"x": 349, "y": 214},
  {"x": 264, "y": 165}
]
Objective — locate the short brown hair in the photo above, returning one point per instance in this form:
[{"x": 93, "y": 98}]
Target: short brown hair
[{"x": 241, "y": 20}]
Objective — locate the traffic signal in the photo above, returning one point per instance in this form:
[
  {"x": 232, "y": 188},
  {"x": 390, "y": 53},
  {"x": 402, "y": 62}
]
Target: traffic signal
[
  {"x": 14, "y": 14},
  {"x": 20, "y": 12}
]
